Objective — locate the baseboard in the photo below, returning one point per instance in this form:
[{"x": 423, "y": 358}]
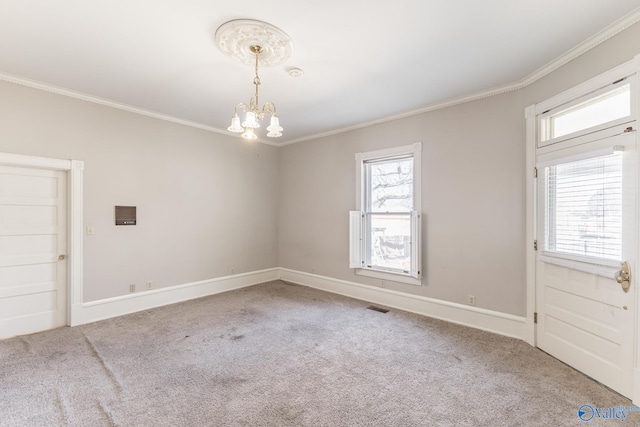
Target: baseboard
[
  {"x": 486, "y": 320},
  {"x": 112, "y": 307}
]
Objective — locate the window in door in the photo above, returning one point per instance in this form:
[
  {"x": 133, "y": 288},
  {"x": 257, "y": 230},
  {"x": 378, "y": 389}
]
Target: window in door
[{"x": 583, "y": 215}]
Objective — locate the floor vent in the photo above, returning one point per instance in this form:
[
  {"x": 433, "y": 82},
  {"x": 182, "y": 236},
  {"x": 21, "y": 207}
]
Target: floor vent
[{"x": 374, "y": 308}]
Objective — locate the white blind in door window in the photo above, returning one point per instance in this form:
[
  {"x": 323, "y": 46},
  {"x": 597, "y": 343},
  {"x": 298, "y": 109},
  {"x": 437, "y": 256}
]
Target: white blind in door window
[{"x": 584, "y": 207}]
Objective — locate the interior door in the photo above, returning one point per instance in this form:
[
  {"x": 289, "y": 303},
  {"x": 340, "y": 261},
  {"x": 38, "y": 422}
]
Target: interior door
[
  {"x": 586, "y": 227},
  {"x": 32, "y": 250}
]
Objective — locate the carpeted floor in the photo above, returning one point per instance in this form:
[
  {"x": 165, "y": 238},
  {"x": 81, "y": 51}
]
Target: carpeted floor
[{"x": 283, "y": 355}]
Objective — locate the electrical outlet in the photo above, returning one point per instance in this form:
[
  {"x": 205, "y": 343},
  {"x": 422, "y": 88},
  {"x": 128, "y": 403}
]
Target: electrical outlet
[
  {"x": 132, "y": 287},
  {"x": 471, "y": 299},
  {"x": 232, "y": 270},
  {"x": 149, "y": 285}
]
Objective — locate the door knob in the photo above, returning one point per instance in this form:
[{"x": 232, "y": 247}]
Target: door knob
[
  {"x": 623, "y": 276},
  {"x": 61, "y": 257}
]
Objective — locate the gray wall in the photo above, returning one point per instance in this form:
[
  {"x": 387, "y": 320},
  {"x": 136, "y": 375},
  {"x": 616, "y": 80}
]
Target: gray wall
[
  {"x": 472, "y": 201},
  {"x": 206, "y": 202},
  {"x": 473, "y": 189}
]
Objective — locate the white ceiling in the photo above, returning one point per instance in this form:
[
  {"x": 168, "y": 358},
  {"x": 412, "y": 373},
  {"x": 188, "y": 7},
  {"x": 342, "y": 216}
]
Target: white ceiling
[{"x": 364, "y": 61}]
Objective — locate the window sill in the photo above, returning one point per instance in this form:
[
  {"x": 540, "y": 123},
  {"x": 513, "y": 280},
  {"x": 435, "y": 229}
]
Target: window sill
[
  {"x": 388, "y": 276},
  {"x": 602, "y": 268}
]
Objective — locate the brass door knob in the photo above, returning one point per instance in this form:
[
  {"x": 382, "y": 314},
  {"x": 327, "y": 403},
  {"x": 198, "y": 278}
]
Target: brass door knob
[{"x": 623, "y": 276}]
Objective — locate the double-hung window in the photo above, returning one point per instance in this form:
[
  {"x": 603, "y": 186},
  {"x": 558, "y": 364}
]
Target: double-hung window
[{"x": 385, "y": 230}]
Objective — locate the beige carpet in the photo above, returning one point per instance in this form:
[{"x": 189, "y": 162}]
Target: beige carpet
[{"x": 284, "y": 355}]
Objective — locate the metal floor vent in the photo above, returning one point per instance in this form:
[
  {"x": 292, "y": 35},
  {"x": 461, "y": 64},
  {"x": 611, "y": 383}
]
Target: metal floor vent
[{"x": 374, "y": 308}]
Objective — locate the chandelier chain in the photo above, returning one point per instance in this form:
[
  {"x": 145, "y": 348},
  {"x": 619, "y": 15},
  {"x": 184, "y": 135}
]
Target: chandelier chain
[{"x": 256, "y": 80}]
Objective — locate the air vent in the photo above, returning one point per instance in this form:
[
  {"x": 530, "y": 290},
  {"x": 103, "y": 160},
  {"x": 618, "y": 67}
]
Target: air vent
[{"x": 374, "y": 308}]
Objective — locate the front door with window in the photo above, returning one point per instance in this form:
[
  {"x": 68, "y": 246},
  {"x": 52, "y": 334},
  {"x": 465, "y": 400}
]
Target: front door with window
[{"x": 586, "y": 222}]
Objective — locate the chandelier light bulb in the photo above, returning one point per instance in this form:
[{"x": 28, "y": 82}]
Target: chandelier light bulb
[
  {"x": 275, "y": 130},
  {"x": 250, "y": 120},
  {"x": 274, "y": 126},
  {"x": 235, "y": 125},
  {"x": 249, "y": 134}
]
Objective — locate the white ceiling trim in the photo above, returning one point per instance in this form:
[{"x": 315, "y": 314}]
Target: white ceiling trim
[
  {"x": 114, "y": 104},
  {"x": 582, "y": 48},
  {"x": 599, "y": 38}
]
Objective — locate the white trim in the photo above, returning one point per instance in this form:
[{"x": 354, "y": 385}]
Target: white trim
[
  {"x": 604, "y": 35},
  {"x": 592, "y": 42},
  {"x": 74, "y": 169},
  {"x": 126, "y": 304},
  {"x": 621, "y": 71},
  {"x": 388, "y": 276},
  {"x": 574, "y": 150},
  {"x": 415, "y": 150},
  {"x": 492, "y": 321},
  {"x": 530, "y": 232},
  {"x": 606, "y": 270},
  {"x": 9, "y": 159},
  {"x": 117, "y": 105},
  {"x": 75, "y": 238}
]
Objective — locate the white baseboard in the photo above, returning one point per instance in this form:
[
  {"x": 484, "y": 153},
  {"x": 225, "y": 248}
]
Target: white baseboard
[
  {"x": 112, "y": 307},
  {"x": 486, "y": 320}
]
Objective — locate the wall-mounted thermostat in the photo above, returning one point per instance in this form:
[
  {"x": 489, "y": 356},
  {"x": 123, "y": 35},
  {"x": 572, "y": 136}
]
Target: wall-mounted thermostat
[{"x": 125, "y": 215}]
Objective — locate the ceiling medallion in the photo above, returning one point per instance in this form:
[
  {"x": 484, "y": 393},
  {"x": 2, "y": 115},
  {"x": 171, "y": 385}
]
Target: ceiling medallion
[{"x": 236, "y": 37}]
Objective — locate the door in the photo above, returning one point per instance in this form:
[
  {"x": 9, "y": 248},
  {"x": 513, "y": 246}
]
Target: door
[
  {"x": 33, "y": 284},
  {"x": 586, "y": 227}
]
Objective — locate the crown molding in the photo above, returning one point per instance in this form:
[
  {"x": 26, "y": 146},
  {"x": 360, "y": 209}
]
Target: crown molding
[
  {"x": 114, "y": 104},
  {"x": 597, "y": 39}
]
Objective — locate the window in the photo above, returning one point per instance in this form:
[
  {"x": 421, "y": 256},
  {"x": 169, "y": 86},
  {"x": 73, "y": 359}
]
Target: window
[
  {"x": 385, "y": 231},
  {"x": 606, "y": 107},
  {"x": 583, "y": 207}
]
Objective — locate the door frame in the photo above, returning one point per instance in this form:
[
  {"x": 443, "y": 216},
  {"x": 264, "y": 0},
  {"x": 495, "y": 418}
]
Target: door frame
[
  {"x": 74, "y": 170},
  {"x": 531, "y": 112}
]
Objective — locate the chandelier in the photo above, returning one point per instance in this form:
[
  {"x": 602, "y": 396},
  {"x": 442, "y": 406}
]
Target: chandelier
[
  {"x": 254, "y": 113},
  {"x": 254, "y": 42}
]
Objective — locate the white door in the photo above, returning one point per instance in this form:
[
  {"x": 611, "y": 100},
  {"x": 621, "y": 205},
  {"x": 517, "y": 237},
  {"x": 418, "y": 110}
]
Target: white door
[
  {"x": 586, "y": 226},
  {"x": 33, "y": 284}
]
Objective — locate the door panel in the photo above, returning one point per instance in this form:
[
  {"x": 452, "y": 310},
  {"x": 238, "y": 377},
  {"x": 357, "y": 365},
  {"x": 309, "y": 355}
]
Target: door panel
[
  {"x": 585, "y": 318},
  {"x": 33, "y": 219}
]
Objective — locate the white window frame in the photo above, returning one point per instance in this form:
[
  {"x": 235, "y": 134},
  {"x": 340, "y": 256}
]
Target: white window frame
[
  {"x": 570, "y": 147},
  {"x": 545, "y": 127},
  {"x": 579, "y": 262},
  {"x": 356, "y": 225}
]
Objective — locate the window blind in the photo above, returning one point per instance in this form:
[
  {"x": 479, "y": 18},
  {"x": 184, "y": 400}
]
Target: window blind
[{"x": 584, "y": 207}]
